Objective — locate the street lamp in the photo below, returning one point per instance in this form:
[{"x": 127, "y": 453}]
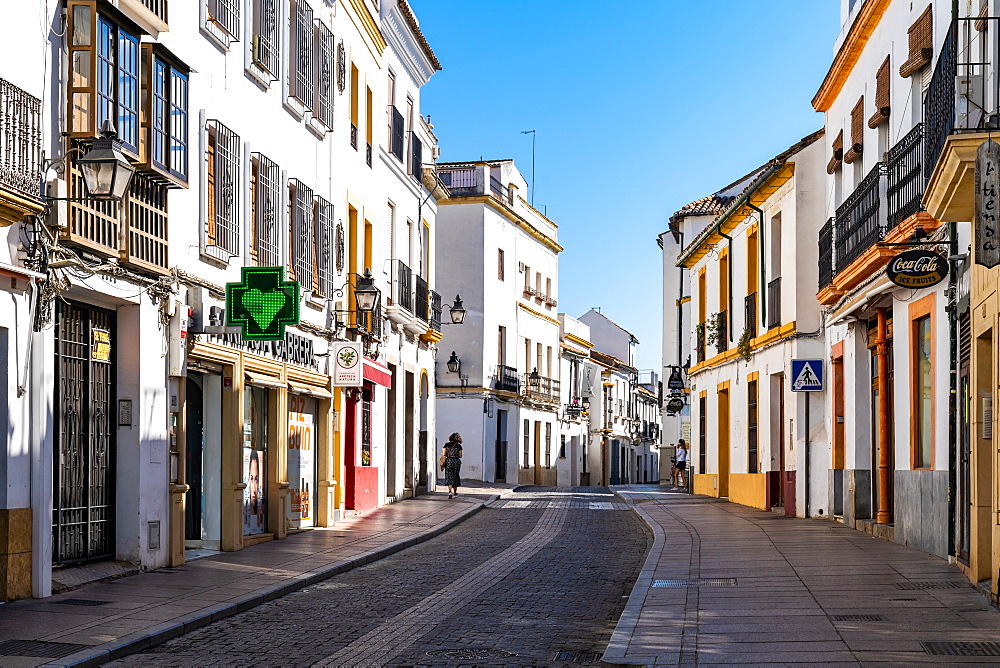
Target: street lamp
[
  {"x": 457, "y": 311},
  {"x": 365, "y": 292},
  {"x": 106, "y": 172},
  {"x": 454, "y": 364},
  {"x": 534, "y": 379}
]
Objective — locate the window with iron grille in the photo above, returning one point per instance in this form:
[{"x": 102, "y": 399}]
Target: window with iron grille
[
  {"x": 264, "y": 46},
  {"x": 548, "y": 445},
  {"x": 416, "y": 157},
  {"x": 340, "y": 247},
  {"x": 398, "y": 134},
  {"x": 527, "y": 441},
  {"x": 222, "y": 225},
  {"x": 169, "y": 119},
  {"x": 752, "y": 459},
  {"x": 301, "y": 61},
  {"x": 222, "y": 20},
  {"x": 500, "y": 264},
  {"x": 326, "y": 62},
  {"x": 265, "y": 202},
  {"x": 300, "y": 242},
  {"x": 324, "y": 234}
]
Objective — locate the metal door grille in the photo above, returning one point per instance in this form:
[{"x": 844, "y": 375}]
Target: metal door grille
[{"x": 83, "y": 513}]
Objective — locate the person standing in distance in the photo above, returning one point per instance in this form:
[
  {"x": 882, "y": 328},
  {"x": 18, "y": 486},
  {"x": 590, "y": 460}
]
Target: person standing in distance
[
  {"x": 681, "y": 455},
  {"x": 453, "y": 463}
]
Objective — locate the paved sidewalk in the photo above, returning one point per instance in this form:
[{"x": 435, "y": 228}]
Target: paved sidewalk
[
  {"x": 726, "y": 584},
  {"x": 107, "y": 620}
]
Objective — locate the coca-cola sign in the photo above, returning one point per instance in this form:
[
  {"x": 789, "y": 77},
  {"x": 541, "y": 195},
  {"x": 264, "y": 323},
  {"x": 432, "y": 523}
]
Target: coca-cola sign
[{"x": 917, "y": 269}]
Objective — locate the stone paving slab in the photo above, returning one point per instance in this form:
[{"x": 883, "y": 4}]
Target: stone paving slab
[
  {"x": 798, "y": 584},
  {"x": 146, "y": 609}
]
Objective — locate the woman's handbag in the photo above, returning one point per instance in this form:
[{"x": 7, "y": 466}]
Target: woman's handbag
[{"x": 441, "y": 460}]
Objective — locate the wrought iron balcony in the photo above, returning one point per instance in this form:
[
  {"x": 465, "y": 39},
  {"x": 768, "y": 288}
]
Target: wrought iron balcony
[
  {"x": 774, "y": 303},
  {"x": 859, "y": 225},
  {"x": 905, "y": 182},
  {"x": 472, "y": 180},
  {"x": 436, "y": 310},
  {"x": 421, "y": 298},
  {"x": 826, "y": 254},
  {"x": 506, "y": 379},
  {"x": 20, "y": 140},
  {"x": 541, "y": 388},
  {"x": 750, "y": 313},
  {"x": 722, "y": 331},
  {"x": 402, "y": 286},
  {"x": 699, "y": 342}
]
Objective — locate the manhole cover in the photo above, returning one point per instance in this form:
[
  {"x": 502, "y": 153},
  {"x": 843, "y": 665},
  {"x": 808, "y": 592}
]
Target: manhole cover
[
  {"x": 697, "y": 582},
  {"x": 48, "y": 650},
  {"x": 961, "y": 648},
  {"x": 471, "y": 653},
  {"x": 857, "y": 618},
  {"x": 931, "y": 585},
  {"x": 80, "y": 602}
]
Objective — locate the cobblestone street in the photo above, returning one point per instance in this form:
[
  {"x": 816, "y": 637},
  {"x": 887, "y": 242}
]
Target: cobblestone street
[{"x": 536, "y": 578}]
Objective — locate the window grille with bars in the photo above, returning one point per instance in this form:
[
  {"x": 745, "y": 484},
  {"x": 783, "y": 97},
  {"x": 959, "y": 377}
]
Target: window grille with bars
[
  {"x": 266, "y": 202},
  {"x": 340, "y": 247},
  {"x": 222, "y": 226},
  {"x": 921, "y": 42},
  {"x": 300, "y": 66},
  {"x": 881, "y": 95},
  {"x": 341, "y": 67},
  {"x": 222, "y": 20},
  {"x": 837, "y": 153},
  {"x": 264, "y": 46},
  {"x": 548, "y": 445},
  {"x": 300, "y": 242},
  {"x": 857, "y": 132},
  {"x": 398, "y": 134},
  {"x": 324, "y": 234},
  {"x": 326, "y": 62},
  {"x": 416, "y": 157}
]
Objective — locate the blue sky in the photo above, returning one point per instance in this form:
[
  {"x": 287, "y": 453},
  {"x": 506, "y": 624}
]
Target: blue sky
[{"x": 639, "y": 108}]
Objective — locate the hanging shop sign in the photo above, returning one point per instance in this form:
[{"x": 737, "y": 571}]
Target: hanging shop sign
[
  {"x": 675, "y": 405},
  {"x": 676, "y": 381},
  {"x": 986, "y": 235},
  {"x": 917, "y": 269},
  {"x": 348, "y": 370},
  {"x": 262, "y": 303}
]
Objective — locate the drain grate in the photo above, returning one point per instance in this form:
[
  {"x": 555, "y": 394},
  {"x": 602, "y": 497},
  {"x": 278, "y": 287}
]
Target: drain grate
[
  {"x": 578, "y": 657},
  {"x": 471, "y": 653},
  {"x": 961, "y": 648},
  {"x": 414, "y": 524},
  {"x": 857, "y": 618},
  {"x": 904, "y": 599},
  {"x": 80, "y": 602},
  {"x": 47, "y": 650},
  {"x": 697, "y": 582},
  {"x": 974, "y": 610},
  {"x": 932, "y": 585}
]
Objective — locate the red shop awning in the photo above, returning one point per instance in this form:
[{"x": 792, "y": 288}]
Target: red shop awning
[{"x": 377, "y": 373}]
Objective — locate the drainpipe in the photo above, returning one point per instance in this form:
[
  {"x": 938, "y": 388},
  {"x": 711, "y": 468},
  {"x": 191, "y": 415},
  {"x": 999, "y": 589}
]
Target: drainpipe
[
  {"x": 953, "y": 388},
  {"x": 729, "y": 267},
  {"x": 763, "y": 271}
]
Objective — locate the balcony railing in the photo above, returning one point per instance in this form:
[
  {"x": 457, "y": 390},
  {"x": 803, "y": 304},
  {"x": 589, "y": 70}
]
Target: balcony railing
[
  {"x": 540, "y": 387},
  {"x": 158, "y": 7},
  {"x": 354, "y": 136},
  {"x": 750, "y": 313},
  {"x": 722, "y": 331},
  {"x": 402, "y": 289},
  {"x": 826, "y": 254},
  {"x": 774, "y": 303},
  {"x": 435, "y": 322},
  {"x": 506, "y": 379},
  {"x": 421, "y": 298},
  {"x": 459, "y": 179},
  {"x": 20, "y": 140},
  {"x": 499, "y": 190},
  {"x": 905, "y": 182},
  {"x": 859, "y": 225}
]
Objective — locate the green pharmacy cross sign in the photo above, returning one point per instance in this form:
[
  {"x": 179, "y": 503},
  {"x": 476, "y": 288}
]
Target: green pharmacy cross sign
[{"x": 262, "y": 303}]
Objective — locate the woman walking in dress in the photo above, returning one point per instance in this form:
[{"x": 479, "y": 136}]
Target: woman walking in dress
[{"x": 453, "y": 464}]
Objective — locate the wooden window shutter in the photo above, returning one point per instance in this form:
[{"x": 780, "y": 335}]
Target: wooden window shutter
[
  {"x": 857, "y": 132},
  {"x": 838, "y": 153},
  {"x": 881, "y": 96},
  {"x": 921, "y": 38}
]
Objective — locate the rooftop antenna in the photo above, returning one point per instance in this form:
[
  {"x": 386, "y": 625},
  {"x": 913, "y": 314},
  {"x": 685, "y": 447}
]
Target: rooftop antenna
[{"x": 532, "y": 133}]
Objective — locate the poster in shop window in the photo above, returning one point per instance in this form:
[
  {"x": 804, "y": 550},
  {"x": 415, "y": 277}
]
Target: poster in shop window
[
  {"x": 301, "y": 461},
  {"x": 255, "y": 461}
]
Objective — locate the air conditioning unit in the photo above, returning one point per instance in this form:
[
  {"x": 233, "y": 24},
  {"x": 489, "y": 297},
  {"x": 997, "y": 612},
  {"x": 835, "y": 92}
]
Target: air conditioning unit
[
  {"x": 435, "y": 152},
  {"x": 969, "y": 102}
]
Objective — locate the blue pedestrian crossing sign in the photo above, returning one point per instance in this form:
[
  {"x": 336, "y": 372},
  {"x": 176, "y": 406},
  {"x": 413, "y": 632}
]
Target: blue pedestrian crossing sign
[{"x": 807, "y": 375}]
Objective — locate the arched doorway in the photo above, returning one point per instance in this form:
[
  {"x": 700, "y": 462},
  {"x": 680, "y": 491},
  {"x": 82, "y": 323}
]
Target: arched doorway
[{"x": 422, "y": 469}]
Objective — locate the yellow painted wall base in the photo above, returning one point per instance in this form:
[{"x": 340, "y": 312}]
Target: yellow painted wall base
[
  {"x": 15, "y": 553},
  {"x": 705, "y": 483},
  {"x": 748, "y": 489}
]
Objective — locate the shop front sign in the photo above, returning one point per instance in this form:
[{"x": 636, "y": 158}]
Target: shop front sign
[
  {"x": 348, "y": 370},
  {"x": 986, "y": 235},
  {"x": 917, "y": 269},
  {"x": 262, "y": 303},
  {"x": 294, "y": 349}
]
